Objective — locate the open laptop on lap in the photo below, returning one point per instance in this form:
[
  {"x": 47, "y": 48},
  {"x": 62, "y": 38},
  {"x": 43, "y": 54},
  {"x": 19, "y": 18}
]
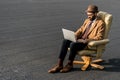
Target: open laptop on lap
[{"x": 69, "y": 35}]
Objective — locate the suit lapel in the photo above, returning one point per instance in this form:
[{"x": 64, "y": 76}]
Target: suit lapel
[
  {"x": 88, "y": 22},
  {"x": 92, "y": 26}
]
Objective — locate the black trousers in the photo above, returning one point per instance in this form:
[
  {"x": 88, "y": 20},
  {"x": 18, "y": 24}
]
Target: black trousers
[{"x": 74, "y": 47}]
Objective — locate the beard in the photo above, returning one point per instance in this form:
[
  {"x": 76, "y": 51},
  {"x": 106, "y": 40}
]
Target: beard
[{"x": 92, "y": 18}]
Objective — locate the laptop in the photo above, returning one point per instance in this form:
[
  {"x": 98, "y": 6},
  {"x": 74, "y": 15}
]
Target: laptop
[{"x": 69, "y": 35}]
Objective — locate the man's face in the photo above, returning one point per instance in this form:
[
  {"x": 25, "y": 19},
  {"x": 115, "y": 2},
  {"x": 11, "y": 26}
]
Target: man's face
[{"x": 91, "y": 15}]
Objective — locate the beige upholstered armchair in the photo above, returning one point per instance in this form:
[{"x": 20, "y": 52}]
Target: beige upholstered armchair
[{"x": 93, "y": 54}]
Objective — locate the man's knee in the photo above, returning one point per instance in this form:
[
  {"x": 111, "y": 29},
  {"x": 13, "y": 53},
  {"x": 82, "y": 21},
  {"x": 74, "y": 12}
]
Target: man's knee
[
  {"x": 72, "y": 45},
  {"x": 66, "y": 41}
]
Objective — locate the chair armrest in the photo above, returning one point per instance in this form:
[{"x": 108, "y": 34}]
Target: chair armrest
[{"x": 99, "y": 42}]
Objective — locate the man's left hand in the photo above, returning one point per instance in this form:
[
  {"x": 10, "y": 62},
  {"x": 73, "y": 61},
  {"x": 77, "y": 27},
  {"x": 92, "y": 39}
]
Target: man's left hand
[{"x": 82, "y": 40}]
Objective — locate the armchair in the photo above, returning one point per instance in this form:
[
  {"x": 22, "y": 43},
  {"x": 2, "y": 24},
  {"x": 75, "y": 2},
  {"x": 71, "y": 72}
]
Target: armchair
[{"x": 92, "y": 55}]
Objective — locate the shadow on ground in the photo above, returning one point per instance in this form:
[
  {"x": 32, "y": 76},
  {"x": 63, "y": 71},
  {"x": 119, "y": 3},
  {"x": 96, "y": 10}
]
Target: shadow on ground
[{"x": 112, "y": 65}]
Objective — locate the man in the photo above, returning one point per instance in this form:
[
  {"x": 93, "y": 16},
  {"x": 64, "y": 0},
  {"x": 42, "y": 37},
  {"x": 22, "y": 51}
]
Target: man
[{"x": 93, "y": 28}]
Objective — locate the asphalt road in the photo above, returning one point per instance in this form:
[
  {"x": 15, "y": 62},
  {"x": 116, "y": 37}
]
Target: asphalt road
[{"x": 31, "y": 37}]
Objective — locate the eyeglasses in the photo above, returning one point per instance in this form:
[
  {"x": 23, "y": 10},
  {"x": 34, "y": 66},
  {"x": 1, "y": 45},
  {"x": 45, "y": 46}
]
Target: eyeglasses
[{"x": 90, "y": 12}]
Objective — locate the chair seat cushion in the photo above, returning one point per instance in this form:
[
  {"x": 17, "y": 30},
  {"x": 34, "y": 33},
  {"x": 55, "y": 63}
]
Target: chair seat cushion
[
  {"x": 91, "y": 47},
  {"x": 87, "y": 52}
]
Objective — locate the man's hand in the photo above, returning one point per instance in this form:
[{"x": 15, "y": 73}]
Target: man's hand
[{"x": 82, "y": 40}]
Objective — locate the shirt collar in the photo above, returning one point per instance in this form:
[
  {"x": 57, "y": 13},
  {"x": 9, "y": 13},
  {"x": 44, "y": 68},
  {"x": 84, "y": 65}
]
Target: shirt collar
[{"x": 94, "y": 20}]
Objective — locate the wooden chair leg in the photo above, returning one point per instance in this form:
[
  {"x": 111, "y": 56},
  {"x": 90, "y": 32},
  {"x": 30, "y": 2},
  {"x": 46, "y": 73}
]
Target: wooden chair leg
[
  {"x": 78, "y": 62},
  {"x": 84, "y": 67},
  {"x": 97, "y": 66},
  {"x": 87, "y": 61},
  {"x": 97, "y": 61}
]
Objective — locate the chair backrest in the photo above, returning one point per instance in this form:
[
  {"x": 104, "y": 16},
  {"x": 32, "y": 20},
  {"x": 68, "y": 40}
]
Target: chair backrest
[{"x": 107, "y": 18}]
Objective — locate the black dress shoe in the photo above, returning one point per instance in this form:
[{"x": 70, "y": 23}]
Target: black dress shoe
[
  {"x": 55, "y": 69},
  {"x": 67, "y": 68}
]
